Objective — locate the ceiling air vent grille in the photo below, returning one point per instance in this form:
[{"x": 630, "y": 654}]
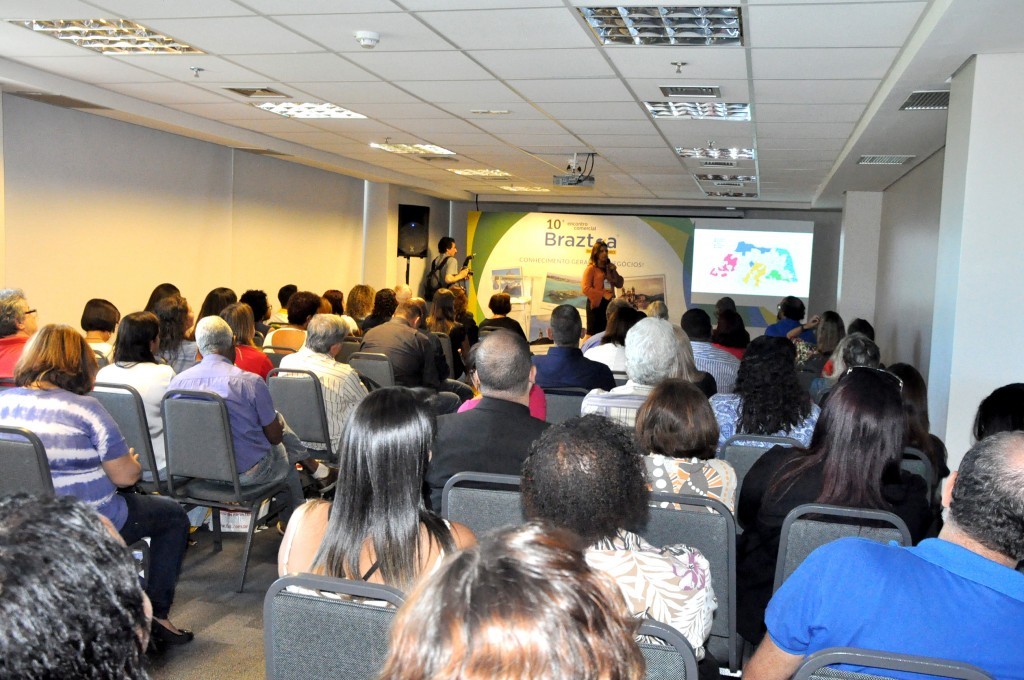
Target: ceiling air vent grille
[
  {"x": 729, "y": 184},
  {"x": 257, "y": 92},
  {"x": 883, "y": 160},
  {"x": 927, "y": 100},
  {"x": 690, "y": 91},
  {"x": 718, "y": 164}
]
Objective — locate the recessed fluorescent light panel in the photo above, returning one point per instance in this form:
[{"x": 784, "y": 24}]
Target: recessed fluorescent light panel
[
  {"x": 665, "y": 25},
  {"x": 699, "y": 110},
  {"x": 729, "y": 194},
  {"x": 308, "y": 110},
  {"x": 480, "y": 172},
  {"x": 110, "y": 36},
  {"x": 712, "y": 152},
  {"x": 927, "y": 100},
  {"x": 525, "y": 189},
  {"x": 417, "y": 149},
  {"x": 883, "y": 160},
  {"x": 726, "y": 178}
]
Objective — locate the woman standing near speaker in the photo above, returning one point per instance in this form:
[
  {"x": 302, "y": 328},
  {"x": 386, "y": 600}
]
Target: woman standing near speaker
[{"x": 600, "y": 279}]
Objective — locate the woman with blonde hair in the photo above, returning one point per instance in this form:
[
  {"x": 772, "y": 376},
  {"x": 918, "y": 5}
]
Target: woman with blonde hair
[
  {"x": 688, "y": 368},
  {"x": 248, "y": 357}
]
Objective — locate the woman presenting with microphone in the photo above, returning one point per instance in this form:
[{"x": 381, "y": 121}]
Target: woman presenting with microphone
[{"x": 600, "y": 279}]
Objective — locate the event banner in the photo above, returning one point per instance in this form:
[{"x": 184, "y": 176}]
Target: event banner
[{"x": 539, "y": 259}]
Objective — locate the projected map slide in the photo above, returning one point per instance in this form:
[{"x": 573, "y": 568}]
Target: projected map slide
[{"x": 741, "y": 262}]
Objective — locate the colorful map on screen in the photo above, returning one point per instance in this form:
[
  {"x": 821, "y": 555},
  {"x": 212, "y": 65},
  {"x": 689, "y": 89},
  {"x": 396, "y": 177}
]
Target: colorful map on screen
[{"x": 754, "y": 263}]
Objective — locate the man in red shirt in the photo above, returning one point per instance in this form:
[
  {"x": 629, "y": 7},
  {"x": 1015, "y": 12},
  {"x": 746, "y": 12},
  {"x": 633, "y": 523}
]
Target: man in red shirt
[{"x": 17, "y": 324}]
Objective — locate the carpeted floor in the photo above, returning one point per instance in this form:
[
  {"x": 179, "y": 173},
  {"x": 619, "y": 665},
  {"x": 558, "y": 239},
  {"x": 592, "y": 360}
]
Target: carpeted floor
[{"x": 228, "y": 625}]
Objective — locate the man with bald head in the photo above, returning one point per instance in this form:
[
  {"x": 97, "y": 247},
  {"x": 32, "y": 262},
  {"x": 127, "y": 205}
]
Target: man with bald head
[
  {"x": 495, "y": 436},
  {"x": 955, "y": 597}
]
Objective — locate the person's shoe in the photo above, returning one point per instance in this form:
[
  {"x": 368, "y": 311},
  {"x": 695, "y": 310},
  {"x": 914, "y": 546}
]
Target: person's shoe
[{"x": 163, "y": 636}]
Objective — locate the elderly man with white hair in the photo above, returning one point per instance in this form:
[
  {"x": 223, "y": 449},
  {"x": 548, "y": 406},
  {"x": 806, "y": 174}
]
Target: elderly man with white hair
[
  {"x": 257, "y": 429},
  {"x": 342, "y": 389},
  {"x": 652, "y": 355},
  {"x": 17, "y": 324}
]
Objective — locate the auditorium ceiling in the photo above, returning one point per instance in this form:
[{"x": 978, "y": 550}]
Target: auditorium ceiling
[{"x": 777, "y": 111}]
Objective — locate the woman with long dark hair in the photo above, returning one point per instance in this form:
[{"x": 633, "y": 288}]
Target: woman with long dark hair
[
  {"x": 442, "y": 320},
  {"x": 730, "y": 334},
  {"x": 384, "y": 305},
  {"x": 159, "y": 293},
  {"x": 175, "y": 349},
  {"x": 600, "y": 279},
  {"x": 378, "y": 529},
  {"x": 768, "y": 399},
  {"x": 853, "y": 461},
  {"x": 215, "y": 302}
]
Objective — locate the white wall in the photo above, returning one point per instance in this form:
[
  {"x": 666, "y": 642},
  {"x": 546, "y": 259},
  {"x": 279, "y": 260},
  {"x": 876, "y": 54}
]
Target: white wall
[{"x": 906, "y": 265}]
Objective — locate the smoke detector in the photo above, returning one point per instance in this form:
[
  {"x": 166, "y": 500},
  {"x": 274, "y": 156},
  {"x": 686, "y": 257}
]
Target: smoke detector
[{"x": 367, "y": 39}]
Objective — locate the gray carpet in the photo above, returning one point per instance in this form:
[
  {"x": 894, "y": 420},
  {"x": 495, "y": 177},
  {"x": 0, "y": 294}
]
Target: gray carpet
[{"x": 228, "y": 625}]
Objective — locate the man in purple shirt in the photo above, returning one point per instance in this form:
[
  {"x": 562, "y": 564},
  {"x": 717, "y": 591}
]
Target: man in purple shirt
[{"x": 257, "y": 430}]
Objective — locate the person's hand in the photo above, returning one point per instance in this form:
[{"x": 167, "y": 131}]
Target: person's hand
[
  {"x": 813, "y": 322},
  {"x": 135, "y": 456},
  {"x": 464, "y": 273}
]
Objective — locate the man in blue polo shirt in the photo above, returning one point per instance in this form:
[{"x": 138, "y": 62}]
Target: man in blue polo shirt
[
  {"x": 957, "y": 597},
  {"x": 564, "y": 365},
  {"x": 791, "y": 312}
]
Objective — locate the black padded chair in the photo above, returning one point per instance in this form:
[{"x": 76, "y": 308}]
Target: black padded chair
[
  {"x": 23, "y": 463},
  {"x": 563, "y": 403},
  {"x": 201, "y": 468},
  {"x": 916, "y": 462},
  {"x": 498, "y": 504},
  {"x": 299, "y": 396},
  {"x": 375, "y": 366},
  {"x": 812, "y": 525},
  {"x": 714, "y": 534},
  {"x": 125, "y": 406},
  {"x": 309, "y": 635},
  {"x": 817, "y": 665},
  {"x": 742, "y": 451},
  {"x": 672, "y": 660},
  {"x": 446, "y": 347},
  {"x": 620, "y": 378}
]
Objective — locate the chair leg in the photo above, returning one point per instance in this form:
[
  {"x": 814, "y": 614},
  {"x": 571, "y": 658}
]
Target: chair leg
[
  {"x": 217, "y": 544},
  {"x": 248, "y": 545}
]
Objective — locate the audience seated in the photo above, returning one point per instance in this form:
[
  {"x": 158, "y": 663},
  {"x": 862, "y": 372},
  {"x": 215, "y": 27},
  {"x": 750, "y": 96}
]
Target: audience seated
[
  {"x": 677, "y": 427},
  {"x": 730, "y": 335},
  {"x": 500, "y": 306},
  {"x": 855, "y": 349},
  {"x": 853, "y": 461},
  {"x": 71, "y": 605},
  {"x": 791, "y": 312},
  {"x": 175, "y": 317},
  {"x": 613, "y": 306},
  {"x": 215, "y": 302},
  {"x": 768, "y": 399},
  {"x": 442, "y": 320},
  {"x": 956, "y": 597},
  {"x": 260, "y": 306},
  {"x": 918, "y": 430},
  {"x": 652, "y": 355},
  {"x": 89, "y": 458},
  {"x": 284, "y": 294},
  {"x": 724, "y": 304},
  {"x": 99, "y": 321},
  {"x": 336, "y": 299},
  {"x": 587, "y": 475},
  {"x": 384, "y": 305},
  {"x": 378, "y": 529},
  {"x": 657, "y": 309},
  {"x": 612, "y": 351},
  {"x": 688, "y": 368},
  {"x": 159, "y": 293},
  {"x": 863, "y": 327},
  {"x": 359, "y": 302},
  {"x": 564, "y": 365},
  {"x": 135, "y": 365},
  {"x": 17, "y": 324},
  {"x": 829, "y": 330},
  {"x": 248, "y": 357},
  {"x": 538, "y": 400},
  {"x": 340, "y": 384},
  {"x": 463, "y": 316},
  {"x": 719, "y": 363},
  {"x": 257, "y": 429},
  {"x": 1001, "y": 411},
  {"x": 301, "y": 308},
  {"x": 448, "y": 383},
  {"x": 494, "y": 436},
  {"x": 522, "y": 605}
]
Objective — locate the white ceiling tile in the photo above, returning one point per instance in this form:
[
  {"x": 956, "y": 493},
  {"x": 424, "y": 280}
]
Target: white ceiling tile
[
  {"x": 797, "y": 155},
  {"x": 425, "y": 5},
  {"x": 321, "y": 66},
  {"x": 416, "y": 110},
  {"x": 583, "y": 89},
  {"x": 140, "y": 10},
  {"x": 342, "y": 94},
  {"x": 765, "y": 143},
  {"x": 351, "y": 126},
  {"x": 272, "y": 124},
  {"x": 534, "y": 141},
  {"x": 92, "y": 68},
  {"x": 167, "y": 93},
  {"x": 230, "y": 110},
  {"x": 610, "y": 127},
  {"x": 237, "y": 35},
  {"x": 469, "y": 91},
  {"x": 29, "y": 9},
  {"x": 544, "y": 63},
  {"x": 624, "y": 141},
  {"x": 498, "y": 124},
  {"x": 434, "y": 126},
  {"x": 717, "y": 130},
  {"x": 406, "y": 66},
  {"x": 16, "y": 41},
  {"x": 398, "y": 32},
  {"x": 648, "y": 89},
  {"x": 497, "y": 29},
  {"x": 306, "y": 136},
  {"x": 814, "y": 91},
  {"x": 517, "y": 110},
  {"x": 726, "y": 63},
  {"x": 471, "y": 141},
  {"x": 822, "y": 64},
  {"x": 178, "y": 67},
  {"x": 850, "y": 25},
  {"x": 581, "y": 110},
  {"x": 321, "y": 6},
  {"x": 807, "y": 113},
  {"x": 806, "y": 130}
]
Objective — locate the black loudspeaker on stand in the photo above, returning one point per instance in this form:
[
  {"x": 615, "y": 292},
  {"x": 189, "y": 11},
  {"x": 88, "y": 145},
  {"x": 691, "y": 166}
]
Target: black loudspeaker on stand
[{"x": 413, "y": 230}]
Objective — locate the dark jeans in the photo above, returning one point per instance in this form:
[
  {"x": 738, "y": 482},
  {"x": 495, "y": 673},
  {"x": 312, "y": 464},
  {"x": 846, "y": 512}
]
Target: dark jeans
[
  {"x": 597, "y": 319},
  {"x": 166, "y": 524}
]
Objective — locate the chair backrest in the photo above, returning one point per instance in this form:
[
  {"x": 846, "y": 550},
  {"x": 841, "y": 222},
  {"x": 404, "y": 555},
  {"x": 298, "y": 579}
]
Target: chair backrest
[
  {"x": 563, "y": 403},
  {"x": 197, "y": 438},
  {"x": 310, "y": 635},
  {"x": 816, "y": 665},
  {"x": 916, "y": 462},
  {"x": 446, "y": 347},
  {"x": 672, "y": 660},
  {"x": 298, "y": 395},
  {"x": 743, "y": 450},
  {"x": 101, "y": 358},
  {"x": 801, "y": 535},
  {"x": 376, "y": 367},
  {"x": 620, "y": 378},
  {"x": 275, "y": 357},
  {"x": 482, "y": 509},
  {"x": 714, "y": 534},
  {"x": 348, "y": 348},
  {"x": 125, "y": 406},
  {"x": 23, "y": 463}
]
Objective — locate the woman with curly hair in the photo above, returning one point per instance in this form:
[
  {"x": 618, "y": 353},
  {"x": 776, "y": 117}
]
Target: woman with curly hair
[
  {"x": 768, "y": 399},
  {"x": 175, "y": 317},
  {"x": 384, "y": 305}
]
